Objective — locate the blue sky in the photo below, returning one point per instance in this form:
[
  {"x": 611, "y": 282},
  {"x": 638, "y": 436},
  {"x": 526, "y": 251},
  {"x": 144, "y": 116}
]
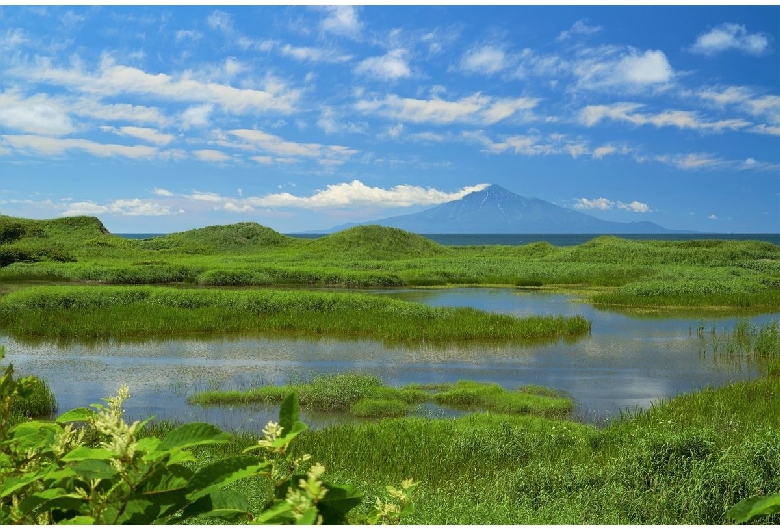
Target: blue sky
[{"x": 160, "y": 119}]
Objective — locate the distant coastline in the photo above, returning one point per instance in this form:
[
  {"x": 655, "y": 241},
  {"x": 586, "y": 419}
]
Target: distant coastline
[{"x": 558, "y": 240}]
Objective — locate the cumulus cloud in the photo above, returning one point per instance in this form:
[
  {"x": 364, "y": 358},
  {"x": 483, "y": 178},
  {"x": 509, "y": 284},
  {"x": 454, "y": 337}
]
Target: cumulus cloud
[
  {"x": 342, "y": 20},
  {"x": 634, "y": 69},
  {"x": 486, "y": 60},
  {"x": 529, "y": 145},
  {"x": 197, "y": 116},
  {"x": 730, "y": 37},
  {"x": 388, "y": 67},
  {"x": 356, "y": 193},
  {"x": 476, "y": 109},
  {"x": 593, "y": 204}
]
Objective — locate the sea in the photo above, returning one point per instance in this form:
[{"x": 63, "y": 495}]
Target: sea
[{"x": 558, "y": 240}]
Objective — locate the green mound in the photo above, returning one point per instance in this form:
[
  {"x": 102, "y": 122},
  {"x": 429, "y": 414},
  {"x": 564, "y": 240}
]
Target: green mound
[
  {"x": 59, "y": 240},
  {"x": 238, "y": 237},
  {"x": 377, "y": 242}
]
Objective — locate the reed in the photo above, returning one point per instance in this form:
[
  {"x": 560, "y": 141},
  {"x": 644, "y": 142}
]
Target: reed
[{"x": 116, "y": 312}]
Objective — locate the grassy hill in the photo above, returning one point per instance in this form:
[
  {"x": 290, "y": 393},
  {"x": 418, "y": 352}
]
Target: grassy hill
[
  {"x": 234, "y": 238},
  {"x": 376, "y": 243}
]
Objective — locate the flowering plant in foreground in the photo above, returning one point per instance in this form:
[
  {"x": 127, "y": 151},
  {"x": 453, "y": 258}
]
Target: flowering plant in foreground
[{"x": 89, "y": 466}]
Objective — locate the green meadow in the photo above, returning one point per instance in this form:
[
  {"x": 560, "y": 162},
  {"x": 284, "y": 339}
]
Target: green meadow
[{"x": 511, "y": 456}]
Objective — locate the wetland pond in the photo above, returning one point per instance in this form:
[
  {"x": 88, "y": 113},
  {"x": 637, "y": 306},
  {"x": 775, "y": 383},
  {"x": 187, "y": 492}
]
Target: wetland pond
[{"x": 627, "y": 362}]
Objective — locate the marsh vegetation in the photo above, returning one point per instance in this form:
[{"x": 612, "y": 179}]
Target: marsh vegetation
[{"x": 513, "y": 455}]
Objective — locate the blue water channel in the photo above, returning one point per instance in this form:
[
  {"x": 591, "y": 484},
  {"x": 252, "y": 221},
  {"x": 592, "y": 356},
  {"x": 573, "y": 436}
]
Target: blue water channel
[{"x": 626, "y": 363}]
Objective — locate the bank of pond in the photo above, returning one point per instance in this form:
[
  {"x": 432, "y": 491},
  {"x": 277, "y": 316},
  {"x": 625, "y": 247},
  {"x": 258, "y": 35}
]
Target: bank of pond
[{"x": 686, "y": 460}]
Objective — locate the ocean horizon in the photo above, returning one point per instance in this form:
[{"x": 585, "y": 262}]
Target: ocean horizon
[{"x": 558, "y": 240}]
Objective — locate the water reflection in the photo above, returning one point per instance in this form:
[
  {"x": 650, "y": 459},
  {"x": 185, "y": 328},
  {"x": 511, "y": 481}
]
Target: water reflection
[{"x": 626, "y": 362}]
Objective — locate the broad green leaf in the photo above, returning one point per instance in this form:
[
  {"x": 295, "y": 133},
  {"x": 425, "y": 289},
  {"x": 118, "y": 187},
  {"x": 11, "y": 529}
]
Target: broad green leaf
[
  {"x": 80, "y": 414},
  {"x": 754, "y": 507},
  {"x": 138, "y": 511},
  {"x": 228, "y": 505},
  {"x": 94, "y": 469},
  {"x": 192, "y": 434},
  {"x": 148, "y": 444},
  {"x": 83, "y": 452},
  {"x": 13, "y": 484},
  {"x": 289, "y": 412},
  {"x": 338, "y": 500},
  {"x": 287, "y": 436},
  {"x": 223, "y": 472},
  {"x": 48, "y": 499},
  {"x": 279, "y": 513}
]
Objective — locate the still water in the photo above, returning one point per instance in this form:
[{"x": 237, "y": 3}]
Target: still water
[{"x": 626, "y": 363}]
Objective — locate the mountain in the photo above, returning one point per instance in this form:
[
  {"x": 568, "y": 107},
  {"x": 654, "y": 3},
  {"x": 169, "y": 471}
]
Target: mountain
[{"x": 496, "y": 210}]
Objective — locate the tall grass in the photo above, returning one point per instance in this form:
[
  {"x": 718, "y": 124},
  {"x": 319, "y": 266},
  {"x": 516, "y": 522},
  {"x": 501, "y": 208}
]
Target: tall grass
[
  {"x": 366, "y": 396},
  {"x": 105, "y": 312}
]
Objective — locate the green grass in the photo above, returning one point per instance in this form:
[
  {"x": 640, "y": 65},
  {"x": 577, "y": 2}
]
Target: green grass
[
  {"x": 636, "y": 274},
  {"x": 39, "y": 403},
  {"x": 366, "y": 396},
  {"x": 683, "y": 461},
  {"x": 57, "y": 312}
]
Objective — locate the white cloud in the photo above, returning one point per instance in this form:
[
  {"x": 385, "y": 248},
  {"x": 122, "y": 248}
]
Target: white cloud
[
  {"x": 257, "y": 139},
  {"x": 12, "y": 38},
  {"x": 315, "y": 55},
  {"x": 604, "y": 150},
  {"x": 713, "y": 217},
  {"x": 219, "y": 20},
  {"x": 579, "y": 28},
  {"x": 205, "y": 196},
  {"x": 356, "y": 193},
  {"x": 162, "y": 192},
  {"x": 127, "y": 207},
  {"x": 755, "y": 165},
  {"x": 187, "y": 34},
  {"x": 330, "y": 124},
  {"x": 112, "y": 80},
  {"x": 483, "y": 60},
  {"x": 647, "y": 68},
  {"x": 342, "y": 20},
  {"x": 388, "y": 67},
  {"x": 728, "y": 96},
  {"x": 608, "y": 67},
  {"x": 730, "y": 37},
  {"x": 196, "y": 116},
  {"x": 210, "y": 155},
  {"x": 476, "y": 109},
  {"x": 594, "y": 204},
  {"x": 593, "y": 114},
  {"x": 692, "y": 161},
  {"x": 634, "y": 206},
  {"x": 35, "y": 118},
  {"x": 606, "y": 204},
  {"x": 528, "y": 145},
  {"x": 56, "y": 146},
  {"x": 143, "y": 133},
  {"x": 395, "y": 131}
]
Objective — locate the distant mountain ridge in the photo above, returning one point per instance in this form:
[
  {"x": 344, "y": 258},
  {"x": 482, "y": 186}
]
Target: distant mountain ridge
[{"x": 496, "y": 210}]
